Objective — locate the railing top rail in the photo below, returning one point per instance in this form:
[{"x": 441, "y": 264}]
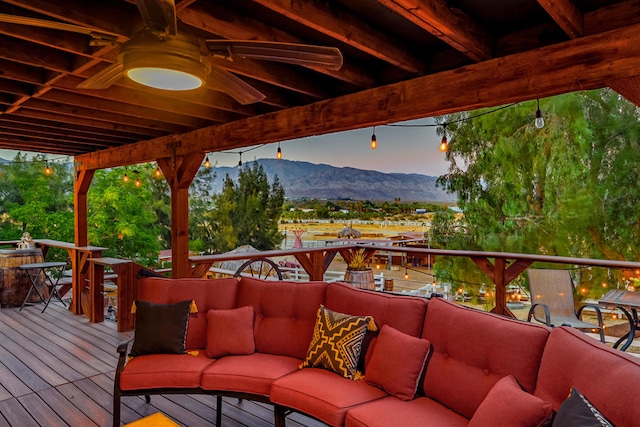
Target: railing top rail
[{"x": 446, "y": 252}]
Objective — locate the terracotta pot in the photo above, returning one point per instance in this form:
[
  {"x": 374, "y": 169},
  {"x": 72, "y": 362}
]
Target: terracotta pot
[{"x": 360, "y": 279}]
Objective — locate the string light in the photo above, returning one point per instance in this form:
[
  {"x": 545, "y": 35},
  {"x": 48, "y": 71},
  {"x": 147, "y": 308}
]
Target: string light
[
  {"x": 279, "y": 152},
  {"x": 374, "y": 140},
  {"x": 240, "y": 162},
  {"x": 406, "y": 273},
  {"x": 539, "y": 122},
  {"x": 444, "y": 146},
  {"x": 47, "y": 169},
  {"x": 158, "y": 172},
  {"x": 207, "y": 163},
  {"x": 125, "y": 178},
  {"x": 138, "y": 183}
]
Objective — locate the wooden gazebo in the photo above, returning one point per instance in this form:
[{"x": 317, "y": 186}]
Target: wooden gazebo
[{"x": 403, "y": 59}]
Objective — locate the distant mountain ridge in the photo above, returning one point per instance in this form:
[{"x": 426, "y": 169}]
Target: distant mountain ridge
[{"x": 304, "y": 179}]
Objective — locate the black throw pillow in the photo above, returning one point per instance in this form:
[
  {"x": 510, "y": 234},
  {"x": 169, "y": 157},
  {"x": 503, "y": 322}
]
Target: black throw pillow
[
  {"x": 160, "y": 328},
  {"x": 577, "y": 411}
]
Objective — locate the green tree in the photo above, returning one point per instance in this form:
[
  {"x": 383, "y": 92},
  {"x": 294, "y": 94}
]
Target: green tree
[
  {"x": 246, "y": 212},
  {"x": 121, "y": 217},
  {"x": 34, "y": 201},
  {"x": 568, "y": 189}
]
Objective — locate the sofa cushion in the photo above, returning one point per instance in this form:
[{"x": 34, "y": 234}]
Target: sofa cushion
[
  {"x": 389, "y": 411},
  {"x": 472, "y": 350},
  {"x": 507, "y": 404},
  {"x": 577, "y": 411},
  {"x": 208, "y": 294},
  {"x": 573, "y": 359},
  {"x": 396, "y": 362},
  {"x": 285, "y": 313},
  {"x": 160, "y": 328},
  {"x": 337, "y": 342},
  {"x": 322, "y": 394},
  {"x": 164, "y": 371},
  {"x": 230, "y": 332},
  {"x": 252, "y": 373}
]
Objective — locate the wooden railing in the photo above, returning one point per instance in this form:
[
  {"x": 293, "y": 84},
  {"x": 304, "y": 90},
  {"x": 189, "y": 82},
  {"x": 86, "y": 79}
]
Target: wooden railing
[{"x": 500, "y": 267}]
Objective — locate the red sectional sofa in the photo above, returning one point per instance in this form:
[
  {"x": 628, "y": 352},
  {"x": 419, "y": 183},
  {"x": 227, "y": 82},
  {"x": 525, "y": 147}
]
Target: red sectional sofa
[{"x": 479, "y": 366}]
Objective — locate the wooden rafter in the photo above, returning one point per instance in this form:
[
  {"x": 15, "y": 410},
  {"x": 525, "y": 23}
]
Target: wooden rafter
[{"x": 566, "y": 14}]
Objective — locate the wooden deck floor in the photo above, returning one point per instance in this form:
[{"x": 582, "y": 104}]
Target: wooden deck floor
[{"x": 56, "y": 369}]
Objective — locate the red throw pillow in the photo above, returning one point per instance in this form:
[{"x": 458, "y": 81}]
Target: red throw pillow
[
  {"x": 507, "y": 404},
  {"x": 230, "y": 332},
  {"x": 397, "y": 362}
]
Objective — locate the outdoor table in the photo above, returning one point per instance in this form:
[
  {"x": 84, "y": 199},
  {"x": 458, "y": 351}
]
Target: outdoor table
[
  {"x": 44, "y": 268},
  {"x": 625, "y": 301}
]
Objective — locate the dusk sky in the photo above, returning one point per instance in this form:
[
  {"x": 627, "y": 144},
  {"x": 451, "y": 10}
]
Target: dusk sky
[{"x": 400, "y": 149}]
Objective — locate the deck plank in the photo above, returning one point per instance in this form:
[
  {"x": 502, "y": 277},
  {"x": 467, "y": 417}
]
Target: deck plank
[{"x": 78, "y": 390}]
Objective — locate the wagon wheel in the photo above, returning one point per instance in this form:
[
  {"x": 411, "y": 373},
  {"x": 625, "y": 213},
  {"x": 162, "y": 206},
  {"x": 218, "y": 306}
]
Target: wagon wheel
[{"x": 260, "y": 268}]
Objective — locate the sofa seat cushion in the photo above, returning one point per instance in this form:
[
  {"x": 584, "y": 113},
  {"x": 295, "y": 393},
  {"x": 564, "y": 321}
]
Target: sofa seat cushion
[
  {"x": 473, "y": 350},
  {"x": 322, "y": 394},
  {"x": 573, "y": 359},
  {"x": 164, "y": 371},
  {"x": 252, "y": 373},
  {"x": 390, "y": 411}
]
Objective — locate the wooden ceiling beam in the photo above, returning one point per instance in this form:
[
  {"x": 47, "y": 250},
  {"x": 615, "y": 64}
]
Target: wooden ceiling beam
[
  {"x": 123, "y": 113},
  {"x": 348, "y": 29},
  {"x": 34, "y": 55},
  {"x": 25, "y": 145},
  {"x": 584, "y": 63},
  {"x": 246, "y": 28},
  {"x": 566, "y": 14},
  {"x": 452, "y": 26},
  {"x": 34, "y": 136}
]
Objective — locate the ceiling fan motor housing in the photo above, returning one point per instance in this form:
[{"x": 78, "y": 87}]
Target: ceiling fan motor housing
[{"x": 176, "y": 57}]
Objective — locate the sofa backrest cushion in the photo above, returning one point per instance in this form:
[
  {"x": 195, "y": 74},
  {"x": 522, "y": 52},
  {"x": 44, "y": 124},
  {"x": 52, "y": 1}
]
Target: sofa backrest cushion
[
  {"x": 403, "y": 313},
  {"x": 216, "y": 294},
  {"x": 573, "y": 359},
  {"x": 472, "y": 350},
  {"x": 285, "y": 313}
]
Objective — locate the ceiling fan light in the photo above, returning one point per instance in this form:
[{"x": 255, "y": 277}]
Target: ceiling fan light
[{"x": 165, "y": 78}]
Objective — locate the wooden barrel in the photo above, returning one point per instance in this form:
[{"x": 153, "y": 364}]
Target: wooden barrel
[
  {"x": 14, "y": 282},
  {"x": 388, "y": 285},
  {"x": 360, "y": 279}
]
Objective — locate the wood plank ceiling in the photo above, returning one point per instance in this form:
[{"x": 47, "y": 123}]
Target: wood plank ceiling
[{"x": 403, "y": 59}]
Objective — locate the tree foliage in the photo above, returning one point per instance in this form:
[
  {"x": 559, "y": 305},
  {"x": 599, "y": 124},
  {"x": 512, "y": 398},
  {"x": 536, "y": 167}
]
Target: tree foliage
[
  {"x": 246, "y": 212},
  {"x": 570, "y": 188}
]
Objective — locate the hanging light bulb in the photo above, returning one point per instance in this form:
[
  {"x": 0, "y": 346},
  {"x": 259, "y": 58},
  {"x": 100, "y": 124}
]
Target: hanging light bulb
[
  {"x": 444, "y": 145},
  {"x": 207, "y": 163},
  {"x": 279, "y": 152},
  {"x": 47, "y": 169},
  {"x": 539, "y": 122},
  {"x": 374, "y": 140},
  {"x": 158, "y": 172},
  {"x": 406, "y": 273},
  {"x": 138, "y": 183},
  {"x": 125, "y": 178},
  {"x": 240, "y": 162}
]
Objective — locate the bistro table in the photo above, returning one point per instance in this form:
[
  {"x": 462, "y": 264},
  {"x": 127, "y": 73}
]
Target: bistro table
[
  {"x": 628, "y": 302},
  {"x": 51, "y": 271}
]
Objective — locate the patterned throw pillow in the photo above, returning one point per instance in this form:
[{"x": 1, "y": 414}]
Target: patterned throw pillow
[
  {"x": 337, "y": 342},
  {"x": 579, "y": 412}
]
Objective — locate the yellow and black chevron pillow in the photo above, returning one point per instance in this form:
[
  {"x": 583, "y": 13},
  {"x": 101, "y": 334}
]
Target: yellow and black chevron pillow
[{"x": 337, "y": 342}]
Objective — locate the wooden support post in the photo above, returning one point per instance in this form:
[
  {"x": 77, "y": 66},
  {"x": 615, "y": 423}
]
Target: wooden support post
[
  {"x": 80, "y": 190},
  {"x": 501, "y": 274},
  {"x": 315, "y": 263},
  {"x": 179, "y": 172}
]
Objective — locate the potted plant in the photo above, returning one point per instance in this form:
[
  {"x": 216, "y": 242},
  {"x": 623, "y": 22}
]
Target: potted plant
[{"x": 358, "y": 273}]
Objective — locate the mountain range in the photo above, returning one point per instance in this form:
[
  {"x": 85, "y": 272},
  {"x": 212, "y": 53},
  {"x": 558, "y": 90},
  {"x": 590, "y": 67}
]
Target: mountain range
[{"x": 304, "y": 179}]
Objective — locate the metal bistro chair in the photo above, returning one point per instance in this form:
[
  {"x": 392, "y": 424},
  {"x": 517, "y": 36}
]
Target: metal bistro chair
[{"x": 552, "y": 294}]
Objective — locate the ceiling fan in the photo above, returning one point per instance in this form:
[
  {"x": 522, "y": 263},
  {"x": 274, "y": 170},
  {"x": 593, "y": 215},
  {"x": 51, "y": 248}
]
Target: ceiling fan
[{"x": 158, "y": 56}]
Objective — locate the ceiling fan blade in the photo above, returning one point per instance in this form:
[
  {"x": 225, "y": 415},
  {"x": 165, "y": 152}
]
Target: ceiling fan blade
[
  {"x": 291, "y": 53},
  {"x": 104, "y": 78},
  {"x": 159, "y": 15},
  {"x": 54, "y": 25},
  {"x": 235, "y": 87}
]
